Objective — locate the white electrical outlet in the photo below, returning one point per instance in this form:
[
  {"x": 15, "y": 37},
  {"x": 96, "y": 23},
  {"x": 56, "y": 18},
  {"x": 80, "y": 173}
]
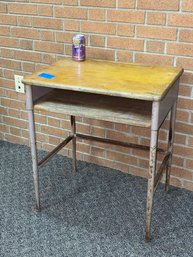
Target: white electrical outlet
[{"x": 19, "y": 86}]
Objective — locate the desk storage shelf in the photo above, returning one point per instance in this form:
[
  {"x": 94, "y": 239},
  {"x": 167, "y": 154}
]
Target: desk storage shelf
[{"x": 109, "y": 108}]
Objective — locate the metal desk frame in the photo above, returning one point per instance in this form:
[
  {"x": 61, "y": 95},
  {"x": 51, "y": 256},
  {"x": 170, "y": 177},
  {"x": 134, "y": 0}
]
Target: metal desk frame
[{"x": 159, "y": 112}]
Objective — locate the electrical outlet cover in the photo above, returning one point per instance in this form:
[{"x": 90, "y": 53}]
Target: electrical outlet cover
[{"x": 19, "y": 86}]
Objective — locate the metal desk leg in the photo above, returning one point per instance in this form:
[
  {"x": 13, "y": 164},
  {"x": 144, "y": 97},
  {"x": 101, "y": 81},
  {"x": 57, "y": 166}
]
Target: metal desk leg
[
  {"x": 73, "y": 130},
  {"x": 29, "y": 107},
  {"x": 170, "y": 144},
  {"x": 152, "y": 166}
]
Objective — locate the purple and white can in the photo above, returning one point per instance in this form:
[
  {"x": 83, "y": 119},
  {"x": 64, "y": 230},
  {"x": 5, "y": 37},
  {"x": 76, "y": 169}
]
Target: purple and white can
[{"x": 78, "y": 48}]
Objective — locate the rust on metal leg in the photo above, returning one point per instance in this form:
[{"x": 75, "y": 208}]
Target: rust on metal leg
[
  {"x": 73, "y": 130},
  {"x": 152, "y": 166}
]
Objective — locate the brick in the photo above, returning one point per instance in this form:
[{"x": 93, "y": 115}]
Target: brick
[
  {"x": 180, "y": 20},
  {"x": 82, "y": 147},
  {"x": 186, "y": 35},
  {"x": 177, "y": 161},
  {"x": 155, "y": 46},
  {"x": 101, "y": 3},
  {"x": 98, "y": 27},
  {"x": 189, "y": 164},
  {"x": 175, "y": 182},
  {"x": 100, "y": 123},
  {"x": 186, "y": 63},
  {"x": 126, "y": 16},
  {"x": 70, "y": 2},
  {"x": 15, "y": 122},
  {"x": 156, "y": 18},
  {"x": 125, "y": 43},
  {"x": 96, "y": 131},
  {"x": 26, "y": 44},
  {"x": 3, "y": 7},
  {"x": 126, "y": 4},
  {"x": 186, "y": 152},
  {"x": 182, "y": 115},
  {"x": 190, "y": 141},
  {"x": 24, "y": 33},
  {"x": 24, "y": 21},
  {"x": 53, "y": 122},
  {"x": 96, "y": 14},
  {"x": 97, "y": 40},
  {"x": 125, "y": 30},
  {"x": 187, "y": 78},
  {"x": 22, "y": 8},
  {"x": 103, "y": 54},
  {"x": 136, "y": 171},
  {"x": 70, "y": 12},
  {"x": 65, "y": 37},
  {"x": 9, "y": 42},
  {"x": 47, "y": 23},
  {"x": 187, "y": 6},
  {"x": 180, "y": 49},
  {"x": 51, "y": 47},
  {"x": 181, "y": 173},
  {"x": 54, "y": 140},
  {"x": 184, "y": 103},
  {"x": 96, "y": 151},
  {"x": 184, "y": 128},
  {"x": 10, "y": 64},
  {"x": 156, "y": 32},
  {"x": 47, "y": 58},
  {"x": 14, "y": 113},
  {"x": 172, "y": 5},
  {"x": 28, "y": 67},
  {"x": 27, "y": 56},
  {"x": 15, "y": 131},
  {"x": 40, "y": 119},
  {"x": 124, "y": 56},
  {"x": 120, "y": 157},
  {"x": 44, "y": 10},
  {"x": 53, "y": 131},
  {"x": 6, "y": 52},
  {"x": 9, "y": 73},
  {"x": 47, "y": 35},
  {"x": 180, "y": 139},
  {"x": 185, "y": 90},
  {"x": 153, "y": 59},
  {"x": 72, "y": 25},
  {"x": 4, "y": 31},
  {"x": 8, "y": 19}
]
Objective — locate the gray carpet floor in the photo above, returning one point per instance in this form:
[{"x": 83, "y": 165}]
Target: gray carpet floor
[{"x": 96, "y": 212}]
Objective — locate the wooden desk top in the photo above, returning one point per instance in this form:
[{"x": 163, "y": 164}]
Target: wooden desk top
[{"x": 108, "y": 78}]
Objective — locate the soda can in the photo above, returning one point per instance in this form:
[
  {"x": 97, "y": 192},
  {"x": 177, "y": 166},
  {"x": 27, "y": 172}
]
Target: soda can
[{"x": 78, "y": 48}]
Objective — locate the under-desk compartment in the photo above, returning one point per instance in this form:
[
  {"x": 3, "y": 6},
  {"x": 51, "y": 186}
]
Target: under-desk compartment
[{"x": 102, "y": 107}]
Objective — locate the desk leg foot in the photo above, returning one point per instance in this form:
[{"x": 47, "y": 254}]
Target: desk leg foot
[
  {"x": 73, "y": 130},
  {"x": 170, "y": 145}
]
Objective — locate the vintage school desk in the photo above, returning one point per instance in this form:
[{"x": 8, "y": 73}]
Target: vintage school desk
[{"x": 125, "y": 93}]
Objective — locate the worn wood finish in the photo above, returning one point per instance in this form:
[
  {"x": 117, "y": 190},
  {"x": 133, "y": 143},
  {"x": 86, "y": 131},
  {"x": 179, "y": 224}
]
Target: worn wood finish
[
  {"x": 124, "y": 93},
  {"x": 109, "y": 78},
  {"x": 109, "y": 108}
]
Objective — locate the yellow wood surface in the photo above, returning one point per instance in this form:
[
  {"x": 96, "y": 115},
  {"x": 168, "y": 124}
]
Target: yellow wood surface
[{"x": 109, "y": 78}]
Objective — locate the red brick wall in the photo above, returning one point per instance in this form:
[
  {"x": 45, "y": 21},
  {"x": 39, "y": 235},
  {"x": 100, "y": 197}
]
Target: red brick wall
[{"x": 34, "y": 33}]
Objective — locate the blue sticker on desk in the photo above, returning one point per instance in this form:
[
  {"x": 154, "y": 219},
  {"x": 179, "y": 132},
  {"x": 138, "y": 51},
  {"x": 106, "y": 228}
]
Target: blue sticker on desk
[{"x": 46, "y": 75}]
